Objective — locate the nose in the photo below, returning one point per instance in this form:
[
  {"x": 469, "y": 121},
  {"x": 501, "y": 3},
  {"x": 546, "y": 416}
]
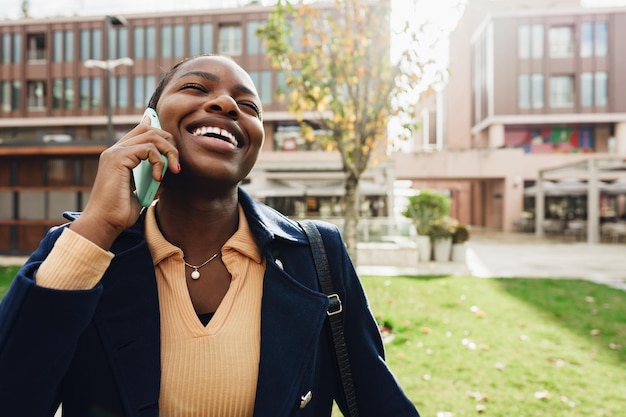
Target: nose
[{"x": 223, "y": 103}]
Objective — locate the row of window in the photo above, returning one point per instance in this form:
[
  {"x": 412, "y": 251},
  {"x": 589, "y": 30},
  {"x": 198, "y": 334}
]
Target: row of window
[
  {"x": 90, "y": 92},
  {"x": 593, "y": 40},
  {"x": 593, "y": 90},
  {"x": 199, "y": 38}
]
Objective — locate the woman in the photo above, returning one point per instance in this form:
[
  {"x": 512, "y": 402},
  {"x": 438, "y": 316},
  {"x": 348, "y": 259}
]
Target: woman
[{"x": 204, "y": 304}]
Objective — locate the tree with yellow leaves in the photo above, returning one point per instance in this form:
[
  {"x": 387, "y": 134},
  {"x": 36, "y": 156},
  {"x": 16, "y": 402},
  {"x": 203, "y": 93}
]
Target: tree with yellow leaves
[{"x": 338, "y": 72}]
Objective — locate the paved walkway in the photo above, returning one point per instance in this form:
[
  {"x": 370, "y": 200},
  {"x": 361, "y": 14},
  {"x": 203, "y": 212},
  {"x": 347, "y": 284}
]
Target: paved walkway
[{"x": 492, "y": 255}]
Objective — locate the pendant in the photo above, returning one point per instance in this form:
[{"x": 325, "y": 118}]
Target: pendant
[{"x": 195, "y": 274}]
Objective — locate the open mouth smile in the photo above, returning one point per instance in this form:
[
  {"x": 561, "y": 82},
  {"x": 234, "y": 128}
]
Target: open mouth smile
[{"x": 216, "y": 133}]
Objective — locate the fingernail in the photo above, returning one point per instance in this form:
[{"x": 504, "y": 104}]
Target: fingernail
[
  {"x": 160, "y": 177},
  {"x": 178, "y": 167}
]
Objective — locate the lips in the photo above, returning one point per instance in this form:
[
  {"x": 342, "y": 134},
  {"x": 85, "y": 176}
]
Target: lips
[{"x": 216, "y": 133}]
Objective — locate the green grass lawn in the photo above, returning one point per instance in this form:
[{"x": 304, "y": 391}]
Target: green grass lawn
[
  {"x": 500, "y": 347},
  {"x": 505, "y": 347}
]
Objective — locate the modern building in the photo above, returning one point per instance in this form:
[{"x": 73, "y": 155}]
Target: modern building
[
  {"x": 71, "y": 86},
  {"x": 533, "y": 86}
]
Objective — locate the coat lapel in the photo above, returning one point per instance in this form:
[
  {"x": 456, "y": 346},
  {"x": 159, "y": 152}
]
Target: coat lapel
[{"x": 292, "y": 319}]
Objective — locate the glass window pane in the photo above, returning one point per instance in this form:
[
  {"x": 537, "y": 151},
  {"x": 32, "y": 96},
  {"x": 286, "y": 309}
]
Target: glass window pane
[
  {"x": 85, "y": 42},
  {"x": 57, "y": 46},
  {"x": 166, "y": 41},
  {"x": 138, "y": 42},
  {"x": 207, "y": 38},
  {"x": 122, "y": 42},
  {"x": 96, "y": 44},
  {"x": 601, "y": 39},
  {"x": 601, "y": 87},
  {"x": 523, "y": 100},
  {"x": 150, "y": 42},
  {"x": 537, "y": 91},
  {"x": 6, "y": 48},
  {"x": 122, "y": 92},
  {"x": 586, "y": 39},
  {"x": 537, "y": 41},
  {"x": 69, "y": 93},
  {"x": 84, "y": 93},
  {"x": 57, "y": 93},
  {"x": 138, "y": 91},
  {"x": 560, "y": 39},
  {"x": 17, "y": 49},
  {"x": 586, "y": 89},
  {"x": 96, "y": 92},
  {"x": 179, "y": 40},
  {"x": 69, "y": 46},
  {"x": 562, "y": 91}
]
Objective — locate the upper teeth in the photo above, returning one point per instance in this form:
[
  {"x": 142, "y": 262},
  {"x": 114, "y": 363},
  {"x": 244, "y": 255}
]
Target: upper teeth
[{"x": 201, "y": 131}]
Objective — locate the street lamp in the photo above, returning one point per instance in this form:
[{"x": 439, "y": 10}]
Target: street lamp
[{"x": 109, "y": 66}]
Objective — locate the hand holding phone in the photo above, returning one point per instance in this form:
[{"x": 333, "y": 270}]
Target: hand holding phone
[{"x": 146, "y": 186}]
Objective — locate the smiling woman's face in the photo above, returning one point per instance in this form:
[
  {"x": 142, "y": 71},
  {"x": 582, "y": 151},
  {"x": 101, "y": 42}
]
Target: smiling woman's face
[{"x": 211, "y": 107}]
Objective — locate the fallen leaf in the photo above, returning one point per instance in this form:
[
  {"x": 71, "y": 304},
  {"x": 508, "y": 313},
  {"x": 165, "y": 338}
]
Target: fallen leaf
[
  {"x": 480, "y": 408},
  {"x": 614, "y": 346},
  {"x": 445, "y": 414},
  {"x": 595, "y": 332},
  {"x": 425, "y": 330},
  {"x": 590, "y": 299},
  {"x": 542, "y": 395},
  {"x": 500, "y": 366}
]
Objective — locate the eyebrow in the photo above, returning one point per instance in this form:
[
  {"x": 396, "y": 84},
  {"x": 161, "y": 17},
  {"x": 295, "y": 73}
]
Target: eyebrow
[{"x": 214, "y": 78}]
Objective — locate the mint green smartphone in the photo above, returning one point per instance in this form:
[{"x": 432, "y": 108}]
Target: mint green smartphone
[{"x": 146, "y": 186}]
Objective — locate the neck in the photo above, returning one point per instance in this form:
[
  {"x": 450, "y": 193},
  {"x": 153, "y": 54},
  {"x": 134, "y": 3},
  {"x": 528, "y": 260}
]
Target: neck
[{"x": 199, "y": 227}]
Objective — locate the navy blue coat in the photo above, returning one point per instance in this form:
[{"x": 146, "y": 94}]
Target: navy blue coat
[{"x": 98, "y": 351}]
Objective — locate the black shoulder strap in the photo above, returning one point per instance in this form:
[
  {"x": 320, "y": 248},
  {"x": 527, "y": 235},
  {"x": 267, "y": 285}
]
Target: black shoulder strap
[{"x": 334, "y": 318}]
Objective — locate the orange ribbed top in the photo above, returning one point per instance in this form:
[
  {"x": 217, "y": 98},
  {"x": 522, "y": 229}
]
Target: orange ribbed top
[{"x": 209, "y": 371}]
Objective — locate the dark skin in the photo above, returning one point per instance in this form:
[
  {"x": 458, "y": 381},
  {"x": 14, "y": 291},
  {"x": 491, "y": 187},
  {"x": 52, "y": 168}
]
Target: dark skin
[{"x": 212, "y": 133}]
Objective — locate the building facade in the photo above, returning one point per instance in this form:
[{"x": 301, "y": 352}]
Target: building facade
[
  {"x": 533, "y": 85},
  {"x": 70, "y": 87}
]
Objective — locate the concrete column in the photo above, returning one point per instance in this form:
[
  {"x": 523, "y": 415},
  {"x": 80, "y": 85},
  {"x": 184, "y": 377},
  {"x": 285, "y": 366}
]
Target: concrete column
[
  {"x": 496, "y": 136},
  {"x": 539, "y": 206},
  {"x": 620, "y": 138},
  {"x": 593, "y": 203}
]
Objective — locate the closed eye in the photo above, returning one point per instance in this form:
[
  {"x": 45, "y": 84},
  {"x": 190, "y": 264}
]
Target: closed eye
[
  {"x": 253, "y": 106},
  {"x": 198, "y": 87}
]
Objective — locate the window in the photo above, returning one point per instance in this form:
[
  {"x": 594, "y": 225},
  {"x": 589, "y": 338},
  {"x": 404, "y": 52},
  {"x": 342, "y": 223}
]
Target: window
[
  {"x": 143, "y": 85},
  {"x": 560, "y": 38},
  {"x": 69, "y": 45},
  {"x": 36, "y": 47},
  {"x": 230, "y": 40},
  {"x": 166, "y": 41},
  {"x": 90, "y": 92},
  {"x": 530, "y": 41},
  {"x": 263, "y": 82},
  {"x": 95, "y": 94},
  {"x": 254, "y": 44},
  {"x": 594, "y": 89},
  {"x": 118, "y": 90},
  {"x": 90, "y": 44},
  {"x": 200, "y": 38},
  {"x": 562, "y": 91},
  {"x": 10, "y": 91},
  {"x": 57, "y": 46},
  {"x": 118, "y": 42},
  {"x": 6, "y": 48},
  {"x": 178, "y": 42},
  {"x": 36, "y": 95},
  {"x": 57, "y": 93},
  {"x": 593, "y": 39},
  {"x": 139, "y": 48},
  {"x": 530, "y": 91},
  {"x": 150, "y": 42},
  {"x": 602, "y": 90},
  {"x": 68, "y": 94}
]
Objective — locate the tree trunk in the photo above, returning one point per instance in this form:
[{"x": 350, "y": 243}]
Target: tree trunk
[{"x": 351, "y": 226}]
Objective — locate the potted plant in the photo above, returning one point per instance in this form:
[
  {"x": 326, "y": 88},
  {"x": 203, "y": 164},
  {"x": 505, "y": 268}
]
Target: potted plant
[
  {"x": 423, "y": 210},
  {"x": 441, "y": 236},
  {"x": 460, "y": 235}
]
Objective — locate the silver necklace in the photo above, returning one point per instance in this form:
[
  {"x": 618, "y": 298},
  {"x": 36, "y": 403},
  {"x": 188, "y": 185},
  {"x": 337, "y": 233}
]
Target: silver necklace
[{"x": 196, "y": 274}]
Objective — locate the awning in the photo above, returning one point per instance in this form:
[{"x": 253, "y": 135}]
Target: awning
[{"x": 311, "y": 188}]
